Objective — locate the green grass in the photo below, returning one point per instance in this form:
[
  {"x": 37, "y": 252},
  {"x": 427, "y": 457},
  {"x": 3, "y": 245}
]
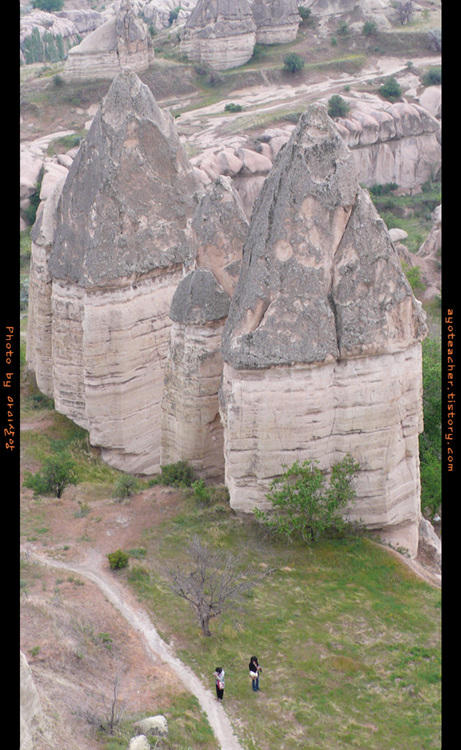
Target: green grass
[{"x": 348, "y": 638}]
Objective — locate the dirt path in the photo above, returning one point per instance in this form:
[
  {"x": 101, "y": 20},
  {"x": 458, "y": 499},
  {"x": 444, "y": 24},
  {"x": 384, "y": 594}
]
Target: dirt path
[{"x": 138, "y": 619}]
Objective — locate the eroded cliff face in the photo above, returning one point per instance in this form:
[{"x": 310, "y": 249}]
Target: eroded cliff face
[
  {"x": 321, "y": 347},
  {"x": 191, "y": 424},
  {"x": 106, "y": 261},
  {"x": 220, "y": 33},
  {"x": 120, "y": 43}
]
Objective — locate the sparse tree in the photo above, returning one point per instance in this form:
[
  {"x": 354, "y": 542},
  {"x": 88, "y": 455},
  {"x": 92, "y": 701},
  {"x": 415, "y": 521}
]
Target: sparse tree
[
  {"x": 213, "y": 585},
  {"x": 293, "y": 62},
  {"x": 404, "y": 10},
  {"x": 58, "y": 471},
  {"x": 337, "y": 106},
  {"x": 304, "y": 508}
]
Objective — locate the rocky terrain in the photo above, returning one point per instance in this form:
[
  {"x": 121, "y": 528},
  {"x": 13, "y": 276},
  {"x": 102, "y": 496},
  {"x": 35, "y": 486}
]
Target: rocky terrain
[{"x": 170, "y": 354}]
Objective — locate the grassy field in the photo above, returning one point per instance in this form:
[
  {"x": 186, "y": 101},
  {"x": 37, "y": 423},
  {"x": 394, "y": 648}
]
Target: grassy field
[{"x": 348, "y": 638}]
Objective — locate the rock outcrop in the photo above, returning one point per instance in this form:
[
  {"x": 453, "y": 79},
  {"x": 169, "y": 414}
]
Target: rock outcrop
[
  {"x": 68, "y": 26},
  {"x": 191, "y": 425},
  {"x": 277, "y": 21},
  {"x": 106, "y": 260},
  {"x": 321, "y": 347},
  {"x": 31, "y": 715},
  {"x": 121, "y": 43},
  {"x": 220, "y": 33}
]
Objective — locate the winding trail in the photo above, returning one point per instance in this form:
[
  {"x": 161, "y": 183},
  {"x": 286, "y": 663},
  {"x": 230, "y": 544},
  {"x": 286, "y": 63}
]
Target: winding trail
[{"x": 139, "y": 620}]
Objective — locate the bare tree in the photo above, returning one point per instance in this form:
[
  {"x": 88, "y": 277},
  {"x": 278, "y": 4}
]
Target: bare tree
[
  {"x": 404, "y": 10},
  {"x": 215, "y": 584}
]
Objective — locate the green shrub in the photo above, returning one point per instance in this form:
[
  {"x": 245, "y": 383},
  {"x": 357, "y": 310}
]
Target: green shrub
[
  {"x": 413, "y": 274},
  {"x": 430, "y": 440},
  {"x": 343, "y": 29},
  {"x": 57, "y": 473},
  {"x": 369, "y": 28},
  {"x": 305, "y": 14},
  {"x": 433, "y": 77},
  {"x": 337, "y": 106},
  {"x": 179, "y": 474},
  {"x": 390, "y": 89},
  {"x": 231, "y": 107},
  {"x": 293, "y": 62},
  {"x": 118, "y": 559},
  {"x": 303, "y": 507},
  {"x": 125, "y": 486},
  {"x": 48, "y": 5}
]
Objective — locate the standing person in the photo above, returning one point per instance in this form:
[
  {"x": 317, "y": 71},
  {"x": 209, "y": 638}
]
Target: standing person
[
  {"x": 255, "y": 669},
  {"x": 219, "y": 676}
]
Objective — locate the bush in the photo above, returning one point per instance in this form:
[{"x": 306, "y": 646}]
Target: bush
[
  {"x": 57, "y": 473},
  {"x": 48, "y": 5},
  {"x": 390, "y": 89},
  {"x": 433, "y": 77},
  {"x": 430, "y": 440},
  {"x": 118, "y": 559},
  {"x": 293, "y": 62},
  {"x": 305, "y": 14},
  {"x": 231, "y": 107},
  {"x": 304, "y": 508},
  {"x": 179, "y": 474},
  {"x": 125, "y": 486},
  {"x": 337, "y": 106},
  {"x": 369, "y": 28}
]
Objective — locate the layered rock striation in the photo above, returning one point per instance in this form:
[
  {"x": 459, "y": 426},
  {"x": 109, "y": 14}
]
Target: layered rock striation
[
  {"x": 321, "y": 347},
  {"x": 121, "y": 43},
  {"x": 108, "y": 253},
  {"x": 191, "y": 424},
  {"x": 277, "y": 21},
  {"x": 219, "y": 33}
]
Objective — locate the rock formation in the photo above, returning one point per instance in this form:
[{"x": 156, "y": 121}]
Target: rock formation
[
  {"x": 276, "y": 21},
  {"x": 191, "y": 425},
  {"x": 121, "y": 43},
  {"x": 396, "y": 143},
  {"x": 68, "y": 25},
  {"x": 321, "y": 347},
  {"x": 220, "y": 33},
  {"x": 31, "y": 715},
  {"x": 108, "y": 252}
]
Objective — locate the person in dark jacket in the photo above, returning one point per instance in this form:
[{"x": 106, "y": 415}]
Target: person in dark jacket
[{"x": 255, "y": 669}]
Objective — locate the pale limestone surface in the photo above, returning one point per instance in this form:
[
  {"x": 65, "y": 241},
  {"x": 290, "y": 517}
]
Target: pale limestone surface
[
  {"x": 322, "y": 343},
  {"x": 108, "y": 253},
  {"x": 277, "y": 21},
  {"x": 220, "y": 33},
  {"x": 191, "y": 425},
  {"x": 31, "y": 715},
  {"x": 121, "y": 43}
]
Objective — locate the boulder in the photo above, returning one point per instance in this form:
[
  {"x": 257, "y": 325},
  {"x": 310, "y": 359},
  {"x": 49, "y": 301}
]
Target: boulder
[
  {"x": 106, "y": 260},
  {"x": 277, "y": 21},
  {"x": 322, "y": 345},
  {"x": 220, "y": 33},
  {"x": 156, "y": 726},
  {"x": 140, "y": 742},
  {"x": 429, "y": 546}
]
